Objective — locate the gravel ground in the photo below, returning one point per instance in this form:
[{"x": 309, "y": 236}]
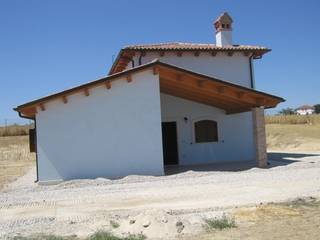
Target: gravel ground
[{"x": 154, "y": 205}]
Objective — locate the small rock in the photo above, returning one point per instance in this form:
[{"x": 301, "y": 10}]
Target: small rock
[
  {"x": 179, "y": 226},
  {"x": 146, "y": 224},
  {"x": 164, "y": 220},
  {"x": 132, "y": 221}
]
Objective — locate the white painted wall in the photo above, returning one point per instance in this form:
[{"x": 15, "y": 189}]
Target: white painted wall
[
  {"x": 235, "y": 69},
  {"x": 305, "y": 111},
  {"x": 110, "y": 133},
  {"x": 235, "y": 131},
  {"x": 224, "y": 38}
]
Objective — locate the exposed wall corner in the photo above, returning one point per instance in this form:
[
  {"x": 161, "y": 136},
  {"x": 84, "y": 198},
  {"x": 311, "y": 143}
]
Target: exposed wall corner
[{"x": 259, "y": 132}]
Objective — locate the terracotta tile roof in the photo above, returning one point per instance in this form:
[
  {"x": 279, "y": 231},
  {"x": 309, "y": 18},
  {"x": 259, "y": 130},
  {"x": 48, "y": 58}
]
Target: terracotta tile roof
[
  {"x": 126, "y": 53},
  {"x": 305, "y": 107},
  {"x": 194, "y": 46}
]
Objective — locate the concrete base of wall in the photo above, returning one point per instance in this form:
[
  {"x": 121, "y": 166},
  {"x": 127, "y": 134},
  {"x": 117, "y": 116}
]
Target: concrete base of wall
[
  {"x": 260, "y": 137},
  {"x": 48, "y": 183}
]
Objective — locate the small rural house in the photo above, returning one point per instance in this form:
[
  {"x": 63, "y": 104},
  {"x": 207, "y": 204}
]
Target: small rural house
[
  {"x": 305, "y": 110},
  {"x": 168, "y": 103}
]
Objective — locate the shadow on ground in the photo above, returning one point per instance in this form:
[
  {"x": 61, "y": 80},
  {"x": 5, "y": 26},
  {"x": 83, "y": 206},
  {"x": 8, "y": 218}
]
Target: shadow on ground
[{"x": 275, "y": 159}]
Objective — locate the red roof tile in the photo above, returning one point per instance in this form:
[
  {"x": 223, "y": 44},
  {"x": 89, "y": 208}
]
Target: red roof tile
[{"x": 194, "y": 46}]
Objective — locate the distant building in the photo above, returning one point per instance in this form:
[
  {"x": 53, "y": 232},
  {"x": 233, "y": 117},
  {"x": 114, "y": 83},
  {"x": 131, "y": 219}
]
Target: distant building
[{"x": 305, "y": 110}]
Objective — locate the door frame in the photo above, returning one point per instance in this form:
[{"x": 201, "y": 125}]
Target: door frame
[{"x": 168, "y": 120}]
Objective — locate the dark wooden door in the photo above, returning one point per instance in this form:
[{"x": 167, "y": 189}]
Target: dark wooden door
[{"x": 169, "y": 143}]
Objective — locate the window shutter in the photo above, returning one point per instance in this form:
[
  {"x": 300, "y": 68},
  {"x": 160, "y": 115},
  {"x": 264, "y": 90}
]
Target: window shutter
[
  {"x": 32, "y": 140},
  {"x": 206, "y": 131}
]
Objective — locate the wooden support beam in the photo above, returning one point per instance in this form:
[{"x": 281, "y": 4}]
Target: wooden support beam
[
  {"x": 179, "y": 53},
  {"x": 64, "y": 99},
  {"x": 221, "y": 89},
  {"x": 86, "y": 92},
  {"x": 200, "y": 83},
  {"x": 155, "y": 70},
  {"x": 196, "y": 53},
  {"x": 213, "y": 53},
  {"x": 42, "y": 107},
  {"x": 237, "y": 110},
  {"x": 260, "y": 101},
  {"x": 179, "y": 77},
  {"x": 108, "y": 84},
  {"x": 230, "y": 54},
  {"x": 240, "y": 94},
  {"x": 129, "y": 78}
]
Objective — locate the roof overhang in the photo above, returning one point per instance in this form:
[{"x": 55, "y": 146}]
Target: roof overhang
[
  {"x": 126, "y": 54},
  {"x": 178, "y": 82}
]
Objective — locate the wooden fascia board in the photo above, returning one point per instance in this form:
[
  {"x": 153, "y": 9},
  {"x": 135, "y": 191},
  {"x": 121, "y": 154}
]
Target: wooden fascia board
[{"x": 160, "y": 67}]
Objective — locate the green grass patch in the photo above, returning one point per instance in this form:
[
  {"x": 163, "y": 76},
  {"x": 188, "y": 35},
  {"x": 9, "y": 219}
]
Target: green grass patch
[
  {"x": 114, "y": 224},
  {"x": 219, "y": 223},
  {"x": 102, "y": 235}
]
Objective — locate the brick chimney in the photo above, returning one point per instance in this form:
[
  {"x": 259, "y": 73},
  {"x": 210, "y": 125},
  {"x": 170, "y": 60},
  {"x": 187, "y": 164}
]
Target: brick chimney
[{"x": 223, "y": 26}]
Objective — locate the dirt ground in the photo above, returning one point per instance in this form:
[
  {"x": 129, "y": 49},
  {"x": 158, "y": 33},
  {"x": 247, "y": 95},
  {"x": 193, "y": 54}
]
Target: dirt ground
[
  {"x": 157, "y": 206},
  {"x": 293, "y": 137},
  {"x": 293, "y": 220},
  {"x": 173, "y": 206},
  {"x": 15, "y": 158}
]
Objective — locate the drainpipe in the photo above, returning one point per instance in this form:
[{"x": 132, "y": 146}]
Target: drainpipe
[
  {"x": 140, "y": 59},
  {"x": 252, "y": 83},
  {"x": 35, "y": 127}
]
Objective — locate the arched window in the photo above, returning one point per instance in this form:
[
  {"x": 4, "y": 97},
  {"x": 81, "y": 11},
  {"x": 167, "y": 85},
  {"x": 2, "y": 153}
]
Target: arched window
[{"x": 206, "y": 131}]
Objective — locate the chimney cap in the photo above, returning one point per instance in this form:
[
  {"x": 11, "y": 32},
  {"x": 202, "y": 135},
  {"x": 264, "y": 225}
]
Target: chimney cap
[{"x": 223, "y": 22}]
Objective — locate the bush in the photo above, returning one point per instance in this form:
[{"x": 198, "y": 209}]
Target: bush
[
  {"x": 219, "y": 223},
  {"x": 102, "y": 235}
]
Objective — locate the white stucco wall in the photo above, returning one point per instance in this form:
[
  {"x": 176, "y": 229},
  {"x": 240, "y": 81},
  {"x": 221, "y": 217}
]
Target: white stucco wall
[
  {"x": 110, "y": 133},
  {"x": 235, "y": 132},
  {"x": 235, "y": 69},
  {"x": 224, "y": 38}
]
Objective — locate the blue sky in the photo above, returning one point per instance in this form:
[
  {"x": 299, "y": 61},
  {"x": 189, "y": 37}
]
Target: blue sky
[{"x": 48, "y": 46}]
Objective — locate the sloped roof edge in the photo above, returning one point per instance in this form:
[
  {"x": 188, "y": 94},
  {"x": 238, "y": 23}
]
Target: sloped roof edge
[{"x": 115, "y": 76}]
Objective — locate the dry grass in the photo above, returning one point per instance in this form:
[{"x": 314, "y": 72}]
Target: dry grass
[
  {"x": 15, "y": 130},
  {"x": 293, "y": 137},
  {"x": 293, "y": 119},
  {"x": 15, "y": 158}
]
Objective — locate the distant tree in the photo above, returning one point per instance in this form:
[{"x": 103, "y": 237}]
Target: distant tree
[
  {"x": 317, "y": 108},
  {"x": 287, "y": 111}
]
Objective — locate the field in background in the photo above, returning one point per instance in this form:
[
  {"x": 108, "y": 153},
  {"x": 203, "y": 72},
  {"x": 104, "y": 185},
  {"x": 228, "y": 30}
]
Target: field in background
[
  {"x": 15, "y": 158},
  {"x": 293, "y": 132},
  {"x": 293, "y": 119},
  {"x": 15, "y": 130}
]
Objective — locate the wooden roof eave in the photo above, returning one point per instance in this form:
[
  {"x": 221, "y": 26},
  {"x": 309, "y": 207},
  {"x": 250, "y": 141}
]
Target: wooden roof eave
[{"x": 228, "y": 102}]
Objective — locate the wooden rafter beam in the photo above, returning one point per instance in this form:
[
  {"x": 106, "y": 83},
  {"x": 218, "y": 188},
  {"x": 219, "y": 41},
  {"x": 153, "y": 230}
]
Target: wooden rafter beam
[
  {"x": 212, "y": 87},
  {"x": 64, "y": 99},
  {"x": 108, "y": 84},
  {"x": 86, "y": 92},
  {"x": 129, "y": 78},
  {"x": 202, "y": 93},
  {"x": 42, "y": 107},
  {"x": 155, "y": 70}
]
